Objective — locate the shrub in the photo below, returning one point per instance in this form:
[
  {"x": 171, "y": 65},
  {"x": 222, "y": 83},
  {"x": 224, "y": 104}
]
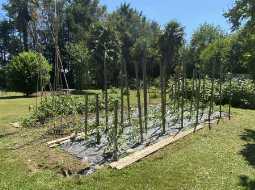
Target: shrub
[{"x": 25, "y": 71}]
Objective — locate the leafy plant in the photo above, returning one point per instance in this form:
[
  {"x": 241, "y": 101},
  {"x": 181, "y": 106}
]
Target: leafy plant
[{"x": 28, "y": 72}]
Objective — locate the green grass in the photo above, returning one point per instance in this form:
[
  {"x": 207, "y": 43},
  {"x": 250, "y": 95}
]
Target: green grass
[{"x": 223, "y": 158}]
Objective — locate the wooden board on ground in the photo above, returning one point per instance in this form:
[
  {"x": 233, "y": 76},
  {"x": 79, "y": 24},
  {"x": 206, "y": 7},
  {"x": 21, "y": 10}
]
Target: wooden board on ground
[
  {"x": 56, "y": 142},
  {"x": 124, "y": 162}
]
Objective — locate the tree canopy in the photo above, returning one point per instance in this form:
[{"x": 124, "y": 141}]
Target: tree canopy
[{"x": 88, "y": 36}]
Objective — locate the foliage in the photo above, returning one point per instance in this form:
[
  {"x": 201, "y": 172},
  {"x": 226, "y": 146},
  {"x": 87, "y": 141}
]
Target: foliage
[
  {"x": 216, "y": 57},
  {"x": 242, "y": 92},
  {"x": 170, "y": 42},
  {"x": 241, "y": 14},
  {"x": 81, "y": 15},
  {"x": 2, "y": 79},
  {"x": 55, "y": 106},
  {"x": 28, "y": 72},
  {"x": 79, "y": 55},
  {"x": 132, "y": 25},
  {"x": 242, "y": 18},
  {"x": 203, "y": 36},
  {"x": 9, "y": 43},
  {"x": 104, "y": 48}
]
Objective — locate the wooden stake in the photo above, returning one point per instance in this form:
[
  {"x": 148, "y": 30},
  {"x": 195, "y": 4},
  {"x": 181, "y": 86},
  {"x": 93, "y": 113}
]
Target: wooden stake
[
  {"x": 211, "y": 97},
  {"x": 122, "y": 95},
  {"x": 128, "y": 94},
  {"x": 163, "y": 101},
  {"x": 139, "y": 101},
  {"x": 198, "y": 99},
  {"x": 86, "y": 116},
  {"x": 105, "y": 94},
  {"x": 220, "y": 81},
  {"x": 115, "y": 132},
  {"x": 230, "y": 96},
  {"x": 192, "y": 95},
  {"x": 145, "y": 94}
]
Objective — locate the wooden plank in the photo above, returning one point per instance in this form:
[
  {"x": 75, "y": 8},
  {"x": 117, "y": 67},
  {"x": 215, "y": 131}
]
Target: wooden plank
[
  {"x": 124, "y": 162},
  {"x": 57, "y": 141}
]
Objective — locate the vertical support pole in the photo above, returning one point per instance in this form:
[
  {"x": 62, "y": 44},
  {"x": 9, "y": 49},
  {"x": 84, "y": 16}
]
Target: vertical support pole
[
  {"x": 182, "y": 93},
  {"x": 211, "y": 96},
  {"x": 115, "y": 132},
  {"x": 139, "y": 101},
  {"x": 198, "y": 100},
  {"x": 220, "y": 93},
  {"x": 128, "y": 93},
  {"x": 162, "y": 87},
  {"x": 192, "y": 95},
  {"x": 174, "y": 93},
  {"x": 145, "y": 94},
  {"x": 203, "y": 96},
  {"x": 105, "y": 94},
  {"x": 178, "y": 97},
  {"x": 97, "y": 119},
  {"x": 86, "y": 116},
  {"x": 122, "y": 95},
  {"x": 230, "y": 96}
]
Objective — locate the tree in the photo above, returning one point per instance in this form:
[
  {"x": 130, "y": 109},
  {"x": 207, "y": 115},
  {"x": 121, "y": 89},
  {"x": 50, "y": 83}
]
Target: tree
[
  {"x": 21, "y": 13},
  {"x": 242, "y": 18},
  {"x": 242, "y": 14},
  {"x": 217, "y": 57},
  {"x": 79, "y": 55},
  {"x": 81, "y": 15},
  {"x": 10, "y": 45},
  {"x": 104, "y": 47},
  {"x": 201, "y": 39},
  {"x": 169, "y": 43},
  {"x": 27, "y": 72},
  {"x": 132, "y": 25}
]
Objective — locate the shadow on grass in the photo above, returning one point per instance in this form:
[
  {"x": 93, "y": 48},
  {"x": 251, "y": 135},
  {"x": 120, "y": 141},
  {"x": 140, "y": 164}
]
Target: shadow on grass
[
  {"x": 248, "y": 152},
  {"x": 246, "y": 182},
  {"x": 7, "y": 135},
  {"x": 14, "y": 97}
]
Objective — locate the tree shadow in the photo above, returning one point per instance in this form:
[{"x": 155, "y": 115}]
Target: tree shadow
[
  {"x": 246, "y": 182},
  {"x": 248, "y": 152},
  {"x": 14, "y": 97}
]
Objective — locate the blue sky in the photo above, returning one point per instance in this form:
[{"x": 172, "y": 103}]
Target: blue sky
[{"x": 191, "y": 13}]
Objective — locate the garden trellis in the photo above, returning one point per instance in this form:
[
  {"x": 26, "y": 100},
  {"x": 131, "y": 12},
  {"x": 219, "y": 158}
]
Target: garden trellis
[{"x": 107, "y": 128}]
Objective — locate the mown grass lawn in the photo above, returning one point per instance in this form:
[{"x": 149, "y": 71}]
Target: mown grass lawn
[{"x": 223, "y": 158}]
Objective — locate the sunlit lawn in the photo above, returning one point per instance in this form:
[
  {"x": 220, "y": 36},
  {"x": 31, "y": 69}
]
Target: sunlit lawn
[{"x": 223, "y": 158}]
